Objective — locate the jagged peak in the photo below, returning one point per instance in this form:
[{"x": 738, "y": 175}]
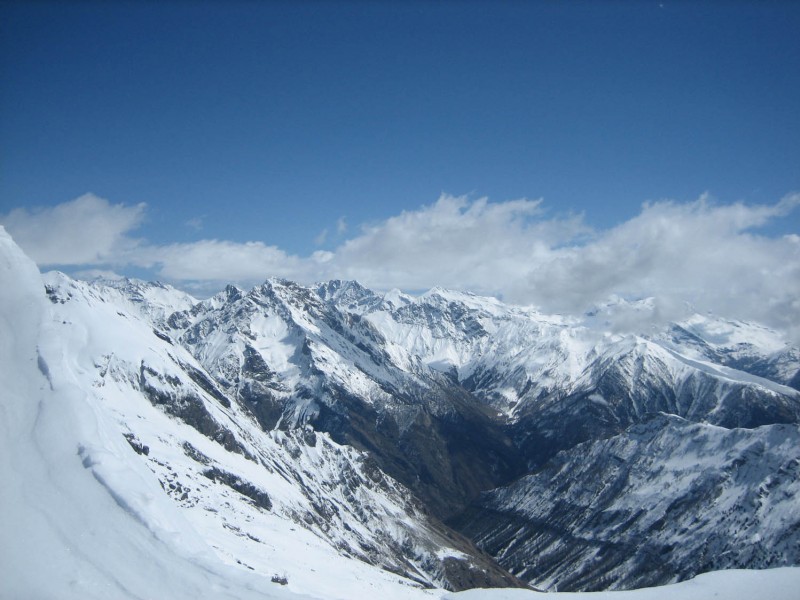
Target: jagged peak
[
  {"x": 279, "y": 282},
  {"x": 457, "y": 295},
  {"x": 441, "y": 297},
  {"x": 395, "y": 298},
  {"x": 232, "y": 292},
  {"x": 127, "y": 282},
  {"x": 335, "y": 285},
  {"x": 348, "y": 295}
]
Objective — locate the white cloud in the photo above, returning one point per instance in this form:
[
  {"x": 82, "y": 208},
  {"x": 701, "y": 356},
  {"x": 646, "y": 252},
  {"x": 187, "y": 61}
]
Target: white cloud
[
  {"x": 453, "y": 243},
  {"x": 698, "y": 253},
  {"x": 705, "y": 255},
  {"x": 222, "y": 261},
  {"x": 702, "y": 255},
  {"x": 84, "y": 231}
]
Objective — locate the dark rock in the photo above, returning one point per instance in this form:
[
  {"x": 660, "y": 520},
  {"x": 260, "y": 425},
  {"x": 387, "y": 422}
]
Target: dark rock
[
  {"x": 137, "y": 445},
  {"x": 259, "y": 497}
]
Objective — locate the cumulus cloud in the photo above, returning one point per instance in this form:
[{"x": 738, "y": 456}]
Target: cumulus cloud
[
  {"x": 681, "y": 257},
  {"x": 699, "y": 256},
  {"x": 85, "y": 231},
  {"x": 454, "y": 243},
  {"x": 684, "y": 257},
  {"x": 222, "y": 261}
]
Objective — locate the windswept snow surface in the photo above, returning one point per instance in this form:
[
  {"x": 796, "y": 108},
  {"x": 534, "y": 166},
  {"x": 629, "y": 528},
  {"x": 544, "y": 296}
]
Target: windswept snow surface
[{"x": 772, "y": 584}]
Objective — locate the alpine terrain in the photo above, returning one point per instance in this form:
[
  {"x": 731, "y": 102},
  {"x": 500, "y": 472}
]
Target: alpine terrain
[{"x": 326, "y": 440}]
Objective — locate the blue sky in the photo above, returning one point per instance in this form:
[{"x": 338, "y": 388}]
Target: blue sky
[{"x": 301, "y": 127}]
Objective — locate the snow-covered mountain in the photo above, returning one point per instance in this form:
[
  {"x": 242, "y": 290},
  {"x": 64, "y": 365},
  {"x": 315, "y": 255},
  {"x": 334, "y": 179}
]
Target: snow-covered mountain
[
  {"x": 294, "y": 359},
  {"x": 325, "y": 433},
  {"x": 663, "y": 500},
  {"x": 205, "y": 443}
]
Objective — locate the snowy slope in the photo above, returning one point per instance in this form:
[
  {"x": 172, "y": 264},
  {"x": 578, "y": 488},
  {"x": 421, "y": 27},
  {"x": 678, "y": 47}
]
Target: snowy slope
[
  {"x": 208, "y": 452},
  {"x": 558, "y": 382},
  {"x": 515, "y": 357},
  {"x": 153, "y": 301},
  {"x": 664, "y": 500},
  {"x": 744, "y": 346},
  {"x": 82, "y": 517}
]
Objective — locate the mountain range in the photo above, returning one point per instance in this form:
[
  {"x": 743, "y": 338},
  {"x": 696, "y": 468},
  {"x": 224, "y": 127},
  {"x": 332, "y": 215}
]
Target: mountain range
[{"x": 446, "y": 440}]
